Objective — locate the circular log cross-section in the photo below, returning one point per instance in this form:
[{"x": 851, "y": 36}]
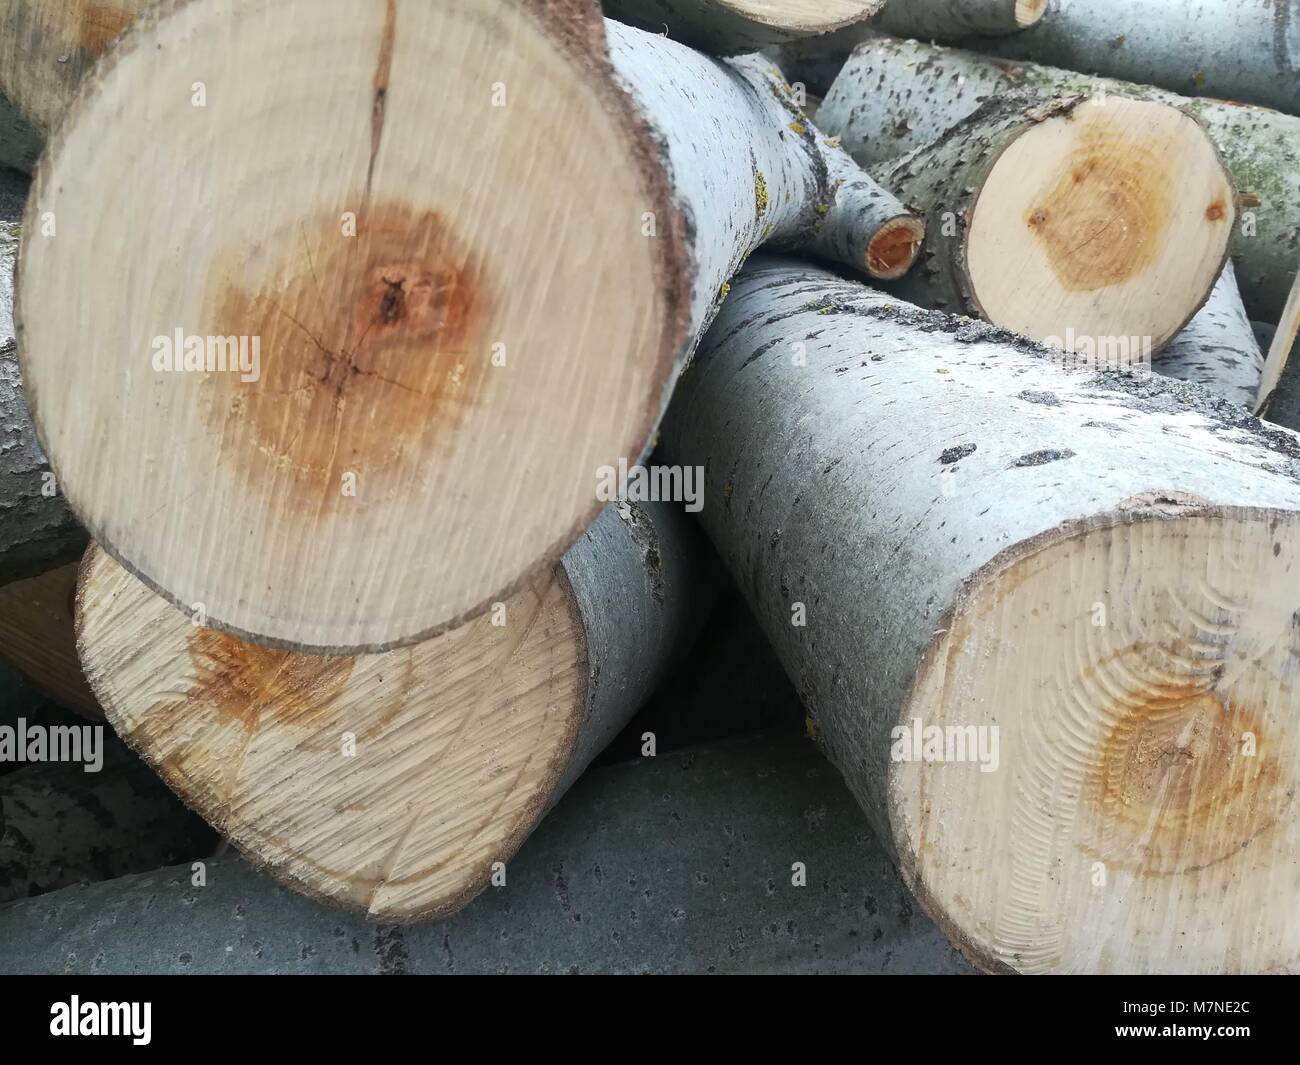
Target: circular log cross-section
[
  {"x": 1116, "y": 212},
  {"x": 321, "y": 369},
  {"x": 393, "y": 783}
]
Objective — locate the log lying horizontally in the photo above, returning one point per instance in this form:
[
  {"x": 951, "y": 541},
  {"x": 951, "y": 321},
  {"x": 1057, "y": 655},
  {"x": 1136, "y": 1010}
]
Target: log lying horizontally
[
  {"x": 63, "y": 825},
  {"x": 1235, "y": 50},
  {"x": 424, "y": 429},
  {"x": 1085, "y": 583},
  {"x": 1117, "y": 215},
  {"x": 392, "y": 783},
  {"x": 894, "y": 96},
  {"x": 676, "y": 864},
  {"x": 938, "y": 18},
  {"x": 729, "y": 27}
]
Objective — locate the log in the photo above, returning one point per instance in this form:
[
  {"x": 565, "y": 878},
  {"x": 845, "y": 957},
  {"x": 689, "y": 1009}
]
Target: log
[
  {"x": 391, "y": 784},
  {"x": 946, "y": 18},
  {"x": 383, "y": 440},
  {"x": 38, "y": 530},
  {"x": 1218, "y": 348},
  {"x": 63, "y": 825},
  {"x": 38, "y": 638},
  {"x": 672, "y": 865},
  {"x": 1248, "y": 51},
  {"x": 48, "y": 46},
  {"x": 1117, "y": 213},
  {"x": 730, "y": 27},
  {"x": 1279, "y": 386},
  {"x": 943, "y": 528},
  {"x": 894, "y": 96}
]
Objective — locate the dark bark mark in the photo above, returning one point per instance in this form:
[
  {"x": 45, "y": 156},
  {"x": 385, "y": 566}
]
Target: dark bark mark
[
  {"x": 1042, "y": 458},
  {"x": 956, "y": 454},
  {"x": 390, "y": 947},
  {"x": 1047, "y": 399}
]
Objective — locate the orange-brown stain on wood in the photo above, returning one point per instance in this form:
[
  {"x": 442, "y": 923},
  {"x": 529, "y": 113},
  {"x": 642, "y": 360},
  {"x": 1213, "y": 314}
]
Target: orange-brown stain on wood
[
  {"x": 374, "y": 345},
  {"x": 260, "y": 686},
  {"x": 1103, "y": 220},
  {"x": 98, "y": 25},
  {"x": 1216, "y": 212},
  {"x": 1183, "y": 780}
]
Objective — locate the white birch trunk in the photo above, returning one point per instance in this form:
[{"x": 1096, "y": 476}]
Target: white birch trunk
[
  {"x": 938, "y": 18},
  {"x": 940, "y": 527}
]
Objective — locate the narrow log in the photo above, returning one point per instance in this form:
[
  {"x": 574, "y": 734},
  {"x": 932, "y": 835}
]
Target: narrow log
[
  {"x": 38, "y": 530},
  {"x": 895, "y": 96},
  {"x": 63, "y": 825},
  {"x": 672, "y": 865},
  {"x": 1218, "y": 348},
  {"x": 1085, "y": 582},
  {"x": 423, "y": 406},
  {"x": 390, "y": 784},
  {"x": 38, "y": 638},
  {"x": 1279, "y": 386},
  {"x": 1247, "y": 51},
  {"x": 730, "y": 27},
  {"x": 947, "y": 18},
  {"x": 1118, "y": 215}
]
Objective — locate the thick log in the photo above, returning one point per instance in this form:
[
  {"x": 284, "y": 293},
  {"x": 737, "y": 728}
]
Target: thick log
[
  {"x": 1085, "y": 582},
  {"x": 1117, "y": 213},
  {"x": 1247, "y": 50},
  {"x": 383, "y": 438},
  {"x": 391, "y": 784},
  {"x": 672, "y": 865},
  {"x": 37, "y": 529},
  {"x": 730, "y": 27},
  {"x": 38, "y": 638},
  {"x": 894, "y": 96},
  {"x": 1218, "y": 348},
  {"x": 48, "y": 46},
  {"x": 63, "y": 825}
]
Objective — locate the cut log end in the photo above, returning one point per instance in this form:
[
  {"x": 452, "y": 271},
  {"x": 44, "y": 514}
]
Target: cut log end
[
  {"x": 894, "y": 248},
  {"x": 391, "y": 356},
  {"x": 385, "y": 784},
  {"x": 807, "y": 17},
  {"x": 1140, "y": 813},
  {"x": 1128, "y": 204},
  {"x": 1029, "y": 12}
]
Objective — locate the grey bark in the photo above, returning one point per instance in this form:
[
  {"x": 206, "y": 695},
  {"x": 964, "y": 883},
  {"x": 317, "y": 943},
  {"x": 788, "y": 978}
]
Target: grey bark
[
  {"x": 673, "y": 865},
  {"x": 1218, "y": 348},
  {"x": 748, "y": 167},
  {"x": 63, "y": 825},
  {"x": 826, "y": 478},
  {"x": 714, "y": 25},
  {"x": 644, "y": 581},
  {"x": 37, "y": 529},
  {"x": 1245, "y": 50},
  {"x": 892, "y": 97},
  {"x": 936, "y": 18}
]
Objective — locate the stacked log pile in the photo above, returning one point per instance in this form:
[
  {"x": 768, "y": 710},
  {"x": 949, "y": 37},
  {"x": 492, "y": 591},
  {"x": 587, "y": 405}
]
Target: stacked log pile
[{"x": 424, "y": 447}]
